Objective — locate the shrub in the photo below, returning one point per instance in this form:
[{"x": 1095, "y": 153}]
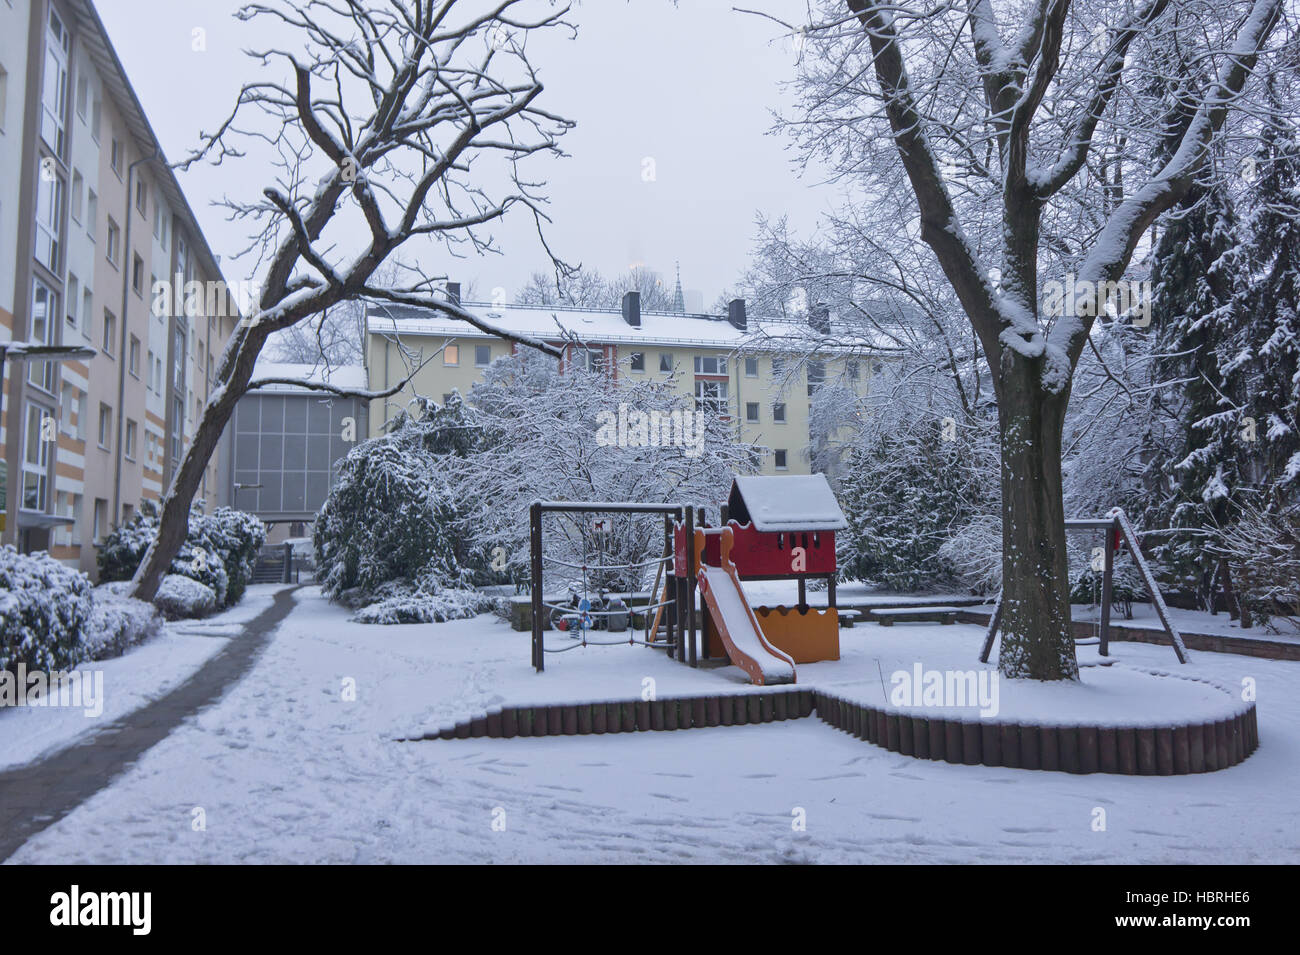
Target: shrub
[
  {"x": 182, "y": 597},
  {"x": 401, "y": 603},
  {"x": 219, "y": 551},
  {"x": 44, "y": 608},
  {"x": 118, "y": 622}
]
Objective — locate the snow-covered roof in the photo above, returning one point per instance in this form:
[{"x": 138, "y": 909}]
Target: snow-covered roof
[
  {"x": 793, "y": 502},
  {"x": 340, "y": 376},
  {"x": 594, "y": 325}
]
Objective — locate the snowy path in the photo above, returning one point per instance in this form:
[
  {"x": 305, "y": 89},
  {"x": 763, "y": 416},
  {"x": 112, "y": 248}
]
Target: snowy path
[{"x": 285, "y": 768}]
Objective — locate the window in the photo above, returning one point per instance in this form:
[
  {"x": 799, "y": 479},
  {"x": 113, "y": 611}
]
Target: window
[
  {"x": 133, "y": 357},
  {"x": 54, "y": 85},
  {"x": 482, "y": 355},
  {"x": 110, "y": 333},
  {"x": 178, "y": 427},
  {"x": 710, "y": 365},
  {"x": 45, "y": 312},
  {"x": 114, "y": 239},
  {"x": 751, "y": 367},
  {"x": 816, "y": 375},
  {"x": 105, "y": 425},
  {"x": 853, "y": 370},
  {"x": 137, "y": 273},
  {"x": 451, "y": 355},
  {"x": 751, "y": 411},
  {"x": 666, "y": 361},
  {"x": 4, "y": 95},
  {"x": 49, "y": 218},
  {"x": 638, "y": 361},
  {"x": 141, "y": 197},
  {"x": 116, "y": 156},
  {"x": 100, "y": 523},
  {"x": 92, "y": 213},
  {"x": 69, "y": 400},
  {"x": 876, "y": 368},
  {"x": 36, "y": 459},
  {"x": 130, "y": 439},
  {"x": 96, "y": 114},
  {"x": 87, "y": 310},
  {"x": 594, "y": 360},
  {"x": 711, "y": 396},
  {"x": 83, "y": 93},
  {"x": 148, "y": 382},
  {"x": 72, "y": 300},
  {"x": 178, "y": 359},
  {"x": 78, "y": 187},
  {"x": 778, "y": 366},
  {"x": 779, "y": 459},
  {"x": 778, "y": 412}
]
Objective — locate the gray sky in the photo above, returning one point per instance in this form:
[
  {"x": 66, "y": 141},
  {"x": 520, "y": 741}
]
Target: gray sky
[{"x": 689, "y": 85}]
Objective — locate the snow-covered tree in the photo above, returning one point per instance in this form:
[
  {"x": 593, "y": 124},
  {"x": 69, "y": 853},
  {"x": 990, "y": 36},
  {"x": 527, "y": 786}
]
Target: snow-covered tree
[
  {"x": 1018, "y": 130},
  {"x": 573, "y": 434},
  {"x": 389, "y": 126}
]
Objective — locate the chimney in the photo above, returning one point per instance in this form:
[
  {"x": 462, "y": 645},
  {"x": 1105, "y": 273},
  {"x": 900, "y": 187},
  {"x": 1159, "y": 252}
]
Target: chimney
[
  {"x": 736, "y": 313},
  {"x": 453, "y": 293},
  {"x": 819, "y": 317},
  {"x": 632, "y": 308}
]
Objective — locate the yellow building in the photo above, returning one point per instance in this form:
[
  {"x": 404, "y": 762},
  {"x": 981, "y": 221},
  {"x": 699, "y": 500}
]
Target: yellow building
[{"x": 743, "y": 366}]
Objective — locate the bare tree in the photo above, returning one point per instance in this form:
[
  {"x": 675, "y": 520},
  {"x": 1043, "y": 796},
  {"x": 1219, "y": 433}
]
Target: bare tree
[
  {"x": 1025, "y": 133},
  {"x": 383, "y": 135}
]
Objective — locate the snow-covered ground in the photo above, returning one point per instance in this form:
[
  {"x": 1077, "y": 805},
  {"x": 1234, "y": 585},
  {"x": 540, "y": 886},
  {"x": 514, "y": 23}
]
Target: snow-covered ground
[
  {"x": 139, "y": 676},
  {"x": 286, "y": 768}
]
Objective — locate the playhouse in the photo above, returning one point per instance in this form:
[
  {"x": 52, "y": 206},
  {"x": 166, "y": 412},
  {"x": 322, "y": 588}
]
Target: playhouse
[{"x": 772, "y": 528}]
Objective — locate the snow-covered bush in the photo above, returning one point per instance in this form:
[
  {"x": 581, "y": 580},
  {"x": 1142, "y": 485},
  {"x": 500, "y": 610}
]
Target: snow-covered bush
[
  {"x": 44, "y": 608},
  {"x": 118, "y": 622},
  {"x": 219, "y": 551},
  {"x": 181, "y": 597},
  {"x": 974, "y": 551},
  {"x": 1263, "y": 549},
  {"x": 403, "y": 603},
  {"x": 390, "y": 517}
]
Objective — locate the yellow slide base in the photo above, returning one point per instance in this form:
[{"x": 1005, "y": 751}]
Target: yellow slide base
[{"x": 809, "y": 636}]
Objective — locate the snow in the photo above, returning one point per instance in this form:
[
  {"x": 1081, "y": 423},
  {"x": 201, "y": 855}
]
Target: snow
[
  {"x": 287, "y": 770},
  {"x": 352, "y": 377},
  {"x": 795, "y": 502},
  {"x": 141, "y": 675}
]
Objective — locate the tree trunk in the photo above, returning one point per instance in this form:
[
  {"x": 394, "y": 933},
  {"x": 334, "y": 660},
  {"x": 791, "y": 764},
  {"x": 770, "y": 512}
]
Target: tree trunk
[
  {"x": 174, "y": 519},
  {"x": 1037, "y": 642}
]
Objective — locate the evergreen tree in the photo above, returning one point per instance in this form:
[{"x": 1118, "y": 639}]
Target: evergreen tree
[
  {"x": 1266, "y": 365},
  {"x": 1194, "y": 439}
]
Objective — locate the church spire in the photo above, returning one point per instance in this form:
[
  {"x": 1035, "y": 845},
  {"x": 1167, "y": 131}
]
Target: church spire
[{"x": 679, "y": 300}]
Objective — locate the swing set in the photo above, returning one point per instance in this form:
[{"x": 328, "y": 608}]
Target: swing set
[
  {"x": 1118, "y": 531},
  {"x": 585, "y": 614}
]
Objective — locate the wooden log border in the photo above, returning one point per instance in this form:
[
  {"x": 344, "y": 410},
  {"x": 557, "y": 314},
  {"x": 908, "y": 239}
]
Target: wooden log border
[{"x": 1165, "y": 750}]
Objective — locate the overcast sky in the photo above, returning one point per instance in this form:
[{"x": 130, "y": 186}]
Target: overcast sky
[{"x": 691, "y": 86}]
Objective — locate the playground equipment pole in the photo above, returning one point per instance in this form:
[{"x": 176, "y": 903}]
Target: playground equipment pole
[
  {"x": 1107, "y": 585},
  {"x": 535, "y": 527},
  {"x": 689, "y": 636}
]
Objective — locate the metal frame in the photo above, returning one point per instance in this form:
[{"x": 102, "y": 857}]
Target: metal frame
[{"x": 535, "y": 512}]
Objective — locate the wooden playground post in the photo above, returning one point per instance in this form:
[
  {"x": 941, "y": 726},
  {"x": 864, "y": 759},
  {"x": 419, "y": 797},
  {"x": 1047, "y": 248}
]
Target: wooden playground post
[
  {"x": 1107, "y": 586},
  {"x": 688, "y": 638},
  {"x": 535, "y": 530}
]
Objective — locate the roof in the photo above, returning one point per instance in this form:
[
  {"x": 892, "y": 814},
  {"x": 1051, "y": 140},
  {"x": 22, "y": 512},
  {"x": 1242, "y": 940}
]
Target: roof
[
  {"x": 794, "y": 502},
  {"x": 595, "y": 325},
  {"x": 352, "y": 377}
]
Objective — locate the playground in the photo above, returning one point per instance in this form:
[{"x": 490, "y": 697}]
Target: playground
[
  {"x": 760, "y": 719},
  {"x": 286, "y": 769}
]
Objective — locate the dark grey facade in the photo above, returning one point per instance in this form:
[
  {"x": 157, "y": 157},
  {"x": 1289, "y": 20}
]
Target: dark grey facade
[{"x": 287, "y": 445}]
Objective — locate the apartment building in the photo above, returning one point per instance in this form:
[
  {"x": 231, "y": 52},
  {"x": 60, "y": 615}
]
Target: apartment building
[
  {"x": 740, "y": 366},
  {"x": 99, "y": 249}
]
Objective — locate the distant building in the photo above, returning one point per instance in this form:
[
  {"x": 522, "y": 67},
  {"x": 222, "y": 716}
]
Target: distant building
[
  {"x": 730, "y": 363},
  {"x": 288, "y": 440},
  {"x": 91, "y": 219}
]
